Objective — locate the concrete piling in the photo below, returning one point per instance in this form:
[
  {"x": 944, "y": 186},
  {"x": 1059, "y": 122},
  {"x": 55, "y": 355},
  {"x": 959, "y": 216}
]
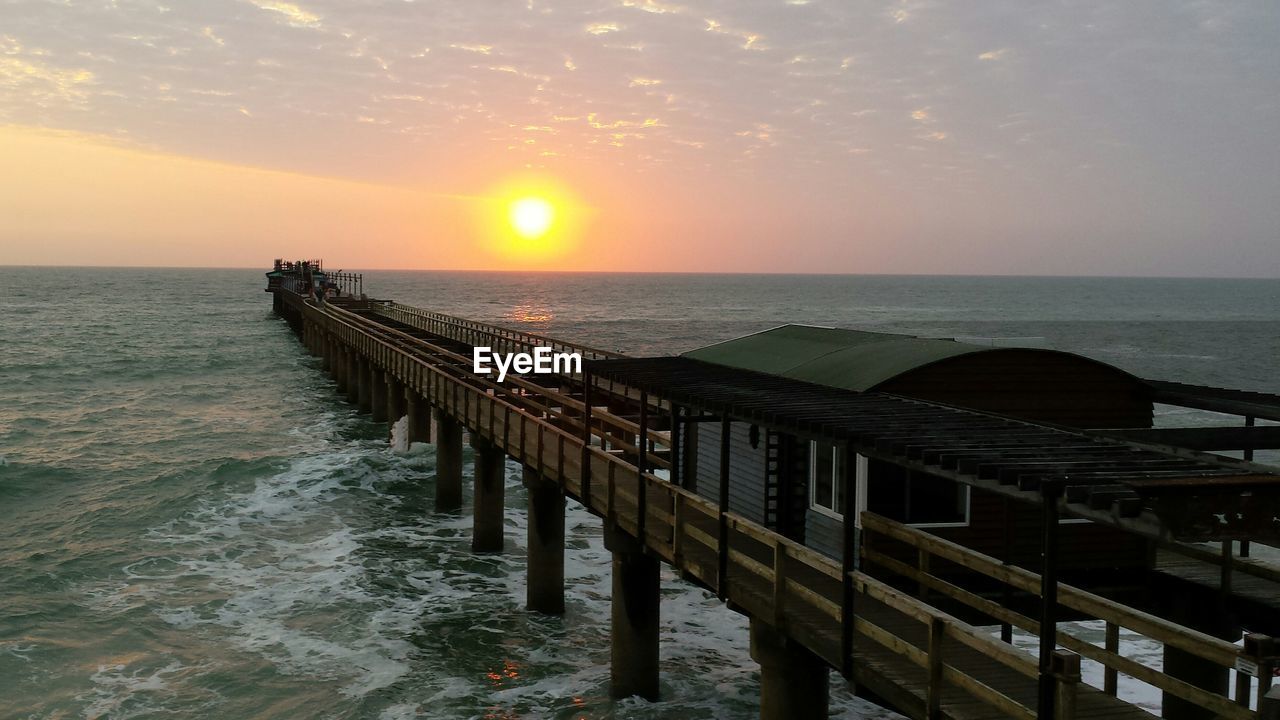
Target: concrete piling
[
  {"x": 352, "y": 363},
  {"x": 793, "y": 681},
  {"x": 377, "y": 393},
  {"x": 544, "y": 584},
  {"x": 1191, "y": 668},
  {"x": 364, "y": 384},
  {"x": 338, "y": 366},
  {"x": 448, "y": 462},
  {"x": 490, "y": 464},
  {"x": 634, "y": 618},
  {"x": 395, "y": 401},
  {"x": 419, "y": 413}
]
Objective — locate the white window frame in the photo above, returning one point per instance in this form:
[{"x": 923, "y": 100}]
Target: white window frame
[
  {"x": 968, "y": 515},
  {"x": 835, "y": 482},
  {"x": 861, "y": 501}
]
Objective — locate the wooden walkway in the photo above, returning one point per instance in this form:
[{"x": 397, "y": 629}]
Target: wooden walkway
[
  {"x": 926, "y": 662},
  {"x": 1253, "y": 585}
]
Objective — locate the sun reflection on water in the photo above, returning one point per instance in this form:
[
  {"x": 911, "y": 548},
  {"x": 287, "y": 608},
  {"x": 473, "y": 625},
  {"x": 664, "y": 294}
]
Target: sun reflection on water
[{"x": 533, "y": 313}]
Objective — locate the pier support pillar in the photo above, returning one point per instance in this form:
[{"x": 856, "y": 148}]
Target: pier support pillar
[
  {"x": 395, "y": 401},
  {"x": 323, "y": 348},
  {"x": 352, "y": 364},
  {"x": 793, "y": 681},
  {"x": 1192, "y": 611},
  {"x": 545, "y": 566},
  {"x": 634, "y": 618},
  {"x": 364, "y": 384},
  {"x": 338, "y": 367},
  {"x": 487, "y": 503},
  {"x": 419, "y": 413},
  {"x": 448, "y": 462},
  {"x": 377, "y": 393}
]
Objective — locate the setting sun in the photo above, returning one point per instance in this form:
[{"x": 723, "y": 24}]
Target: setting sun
[
  {"x": 531, "y": 217},
  {"x": 530, "y": 220}
]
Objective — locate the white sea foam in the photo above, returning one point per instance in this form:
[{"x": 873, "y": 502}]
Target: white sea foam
[
  {"x": 121, "y": 692},
  {"x": 313, "y": 571},
  {"x": 400, "y": 435}
]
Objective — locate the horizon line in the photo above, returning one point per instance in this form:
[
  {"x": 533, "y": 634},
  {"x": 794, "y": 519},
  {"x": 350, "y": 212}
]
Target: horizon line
[{"x": 659, "y": 272}]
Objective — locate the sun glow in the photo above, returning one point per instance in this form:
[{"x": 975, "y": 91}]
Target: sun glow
[
  {"x": 530, "y": 221},
  {"x": 531, "y": 217}
]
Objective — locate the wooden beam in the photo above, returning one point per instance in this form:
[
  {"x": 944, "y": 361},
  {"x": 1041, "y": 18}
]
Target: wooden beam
[{"x": 1202, "y": 438}]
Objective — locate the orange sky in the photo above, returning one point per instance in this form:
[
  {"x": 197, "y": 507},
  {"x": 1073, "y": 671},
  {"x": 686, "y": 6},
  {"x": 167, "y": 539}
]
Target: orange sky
[{"x": 892, "y": 136}]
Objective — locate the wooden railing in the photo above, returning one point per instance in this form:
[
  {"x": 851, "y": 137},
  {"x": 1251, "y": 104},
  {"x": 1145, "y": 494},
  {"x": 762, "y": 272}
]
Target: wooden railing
[
  {"x": 614, "y": 432},
  {"x": 1227, "y": 562},
  {"x": 506, "y": 340},
  {"x": 800, "y": 591},
  {"x": 925, "y": 547},
  {"x": 477, "y": 333}
]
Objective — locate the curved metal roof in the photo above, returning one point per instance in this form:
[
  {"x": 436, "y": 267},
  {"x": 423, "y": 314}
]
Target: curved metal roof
[{"x": 849, "y": 359}]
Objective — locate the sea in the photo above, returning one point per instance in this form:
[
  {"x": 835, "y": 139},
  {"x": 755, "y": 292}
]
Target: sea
[{"x": 193, "y": 524}]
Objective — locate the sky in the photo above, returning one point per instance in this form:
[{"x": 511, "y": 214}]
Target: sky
[{"x": 909, "y": 136}]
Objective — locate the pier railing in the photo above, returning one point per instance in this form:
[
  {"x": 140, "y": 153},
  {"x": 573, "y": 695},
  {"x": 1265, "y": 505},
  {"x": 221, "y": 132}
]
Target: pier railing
[
  {"x": 506, "y": 340},
  {"x": 883, "y": 540},
  {"x": 615, "y": 433},
  {"x": 476, "y": 333}
]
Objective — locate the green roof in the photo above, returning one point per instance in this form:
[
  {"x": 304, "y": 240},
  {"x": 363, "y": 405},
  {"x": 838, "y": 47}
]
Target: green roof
[{"x": 850, "y": 359}]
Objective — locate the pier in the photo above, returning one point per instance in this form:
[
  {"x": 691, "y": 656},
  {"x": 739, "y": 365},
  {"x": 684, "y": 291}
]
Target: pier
[{"x": 917, "y": 622}]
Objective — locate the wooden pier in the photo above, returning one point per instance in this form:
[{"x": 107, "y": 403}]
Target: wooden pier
[{"x": 896, "y": 620}]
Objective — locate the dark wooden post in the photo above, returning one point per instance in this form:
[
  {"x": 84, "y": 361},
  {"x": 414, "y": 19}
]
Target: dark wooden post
[
  {"x": 848, "y": 472},
  {"x": 1248, "y": 455},
  {"x": 1050, "y": 491},
  {"x": 587, "y": 381},
  {"x": 676, "y": 432},
  {"x": 722, "y": 545},
  {"x": 933, "y": 694},
  {"x": 1006, "y": 590},
  {"x": 642, "y": 462},
  {"x": 1066, "y": 671}
]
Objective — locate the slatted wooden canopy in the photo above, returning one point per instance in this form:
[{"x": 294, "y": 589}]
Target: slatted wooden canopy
[
  {"x": 1223, "y": 400},
  {"x": 1173, "y": 495}
]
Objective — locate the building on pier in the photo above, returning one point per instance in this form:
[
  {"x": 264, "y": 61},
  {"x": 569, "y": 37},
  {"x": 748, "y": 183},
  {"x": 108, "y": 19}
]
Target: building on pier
[
  {"x": 795, "y": 486},
  {"x": 1023, "y": 457}
]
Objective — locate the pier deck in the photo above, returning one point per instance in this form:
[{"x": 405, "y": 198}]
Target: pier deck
[{"x": 580, "y": 432}]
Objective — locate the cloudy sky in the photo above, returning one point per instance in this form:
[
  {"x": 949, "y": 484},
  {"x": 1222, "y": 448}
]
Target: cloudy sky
[{"x": 912, "y": 136}]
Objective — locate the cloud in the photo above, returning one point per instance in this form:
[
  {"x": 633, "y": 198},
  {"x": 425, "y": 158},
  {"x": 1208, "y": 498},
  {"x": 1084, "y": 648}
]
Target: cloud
[
  {"x": 653, "y": 6},
  {"x": 42, "y": 81},
  {"x": 291, "y": 13},
  {"x": 208, "y": 32},
  {"x": 994, "y": 54}
]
